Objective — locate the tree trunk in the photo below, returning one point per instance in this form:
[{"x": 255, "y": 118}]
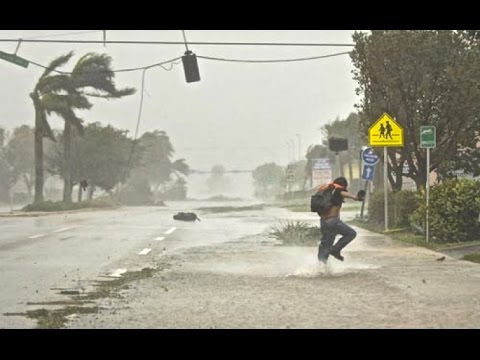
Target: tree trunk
[
  {"x": 67, "y": 158},
  {"x": 91, "y": 189},
  {"x": 38, "y": 148},
  {"x": 80, "y": 192},
  {"x": 28, "y": 185}
]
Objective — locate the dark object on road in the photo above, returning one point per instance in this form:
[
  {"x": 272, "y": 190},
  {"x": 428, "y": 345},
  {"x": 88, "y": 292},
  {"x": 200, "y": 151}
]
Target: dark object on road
[
  {"x": 186, "y": 216},
  {"x": 441, "y": 259}
]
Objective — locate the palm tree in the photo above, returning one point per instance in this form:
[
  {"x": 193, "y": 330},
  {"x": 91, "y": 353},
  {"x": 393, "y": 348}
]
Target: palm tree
[
  {"x": 45, "y": 100},
  {"x": 92, "y": 76},
  {"x": 63, "y": 94}
]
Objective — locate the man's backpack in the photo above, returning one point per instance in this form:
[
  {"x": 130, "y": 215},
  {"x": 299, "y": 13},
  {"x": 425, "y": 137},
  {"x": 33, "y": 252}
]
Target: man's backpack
[{"x": 322, "y": 200}]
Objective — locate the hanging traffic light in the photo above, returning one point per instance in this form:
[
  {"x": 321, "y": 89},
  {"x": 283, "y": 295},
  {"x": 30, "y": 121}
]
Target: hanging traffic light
[
  {"x": 337, "y": 144},
  {"x": 190, "y": 67}
]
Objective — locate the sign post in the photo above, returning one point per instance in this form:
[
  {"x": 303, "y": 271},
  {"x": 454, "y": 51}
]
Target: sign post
[
  {"x": 370, "y": 159},
  {"x": 385, "y": 132},
  {"x": 428, "y": 141},
  {"x": 321, "y": 172}
]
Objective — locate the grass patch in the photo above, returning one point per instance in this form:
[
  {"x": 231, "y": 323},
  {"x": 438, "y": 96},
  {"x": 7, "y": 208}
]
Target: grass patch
[
  {"x": 401, "y": 234},
  {"x": 223, "y": 198},
  {"x": 56, "y": 319},
  {"x": 296, "y": 233},
  {"x": 472, "y": 257},
  {"x": 61, "y": 206},
  {"x": 304, "y": 205},
  {"x": 297, "y": 207},
  {"x": 219, "y": 209}
]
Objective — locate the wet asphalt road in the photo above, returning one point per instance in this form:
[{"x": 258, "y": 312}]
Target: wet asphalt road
[
  {"x": 224, "y": 272},
  {"x": 42, "y": 256}
]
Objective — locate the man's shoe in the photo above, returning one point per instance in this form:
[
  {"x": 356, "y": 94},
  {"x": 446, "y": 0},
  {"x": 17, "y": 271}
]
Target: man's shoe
[
  {"x": 336, "y": 255},
  {"x": 322, "y": 259}
]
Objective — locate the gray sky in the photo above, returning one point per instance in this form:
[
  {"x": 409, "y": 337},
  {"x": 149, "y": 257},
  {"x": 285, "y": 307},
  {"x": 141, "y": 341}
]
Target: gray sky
[{"x": 239, "y": 115}]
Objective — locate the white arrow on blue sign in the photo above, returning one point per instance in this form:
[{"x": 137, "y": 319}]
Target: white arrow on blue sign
[
  {"x": 370, "y": 157},
  {"x": 367, "y": 172}
]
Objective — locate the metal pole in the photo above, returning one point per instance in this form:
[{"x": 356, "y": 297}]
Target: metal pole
[
  {"x": 337, "y": 164},
  {"x": 385, "y": 184},
  {"x": 428, "y": 192},
  {"x": 363, "y": 202},
  {"x": 11, "y": 202},
  {"x": 299, "y": 146}
]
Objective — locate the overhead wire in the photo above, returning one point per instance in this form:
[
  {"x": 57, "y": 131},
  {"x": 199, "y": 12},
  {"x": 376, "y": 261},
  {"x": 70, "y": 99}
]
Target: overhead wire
[
  {"x": 175, "y": 61},
  {"x": 60, "y": 34},
  {"x": 211, "y": 43},
  {"x": 271, "y": 61}
]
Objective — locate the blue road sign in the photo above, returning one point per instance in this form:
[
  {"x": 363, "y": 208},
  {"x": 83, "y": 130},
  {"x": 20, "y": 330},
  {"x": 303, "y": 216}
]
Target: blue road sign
[
  {"x": 367, "y": 172},
  {"x": 370, "y": 157}
]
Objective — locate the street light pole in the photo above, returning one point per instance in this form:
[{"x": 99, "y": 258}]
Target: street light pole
[
  {"x": 292, "y": 142},
  {"x": 299, "y": 146}
]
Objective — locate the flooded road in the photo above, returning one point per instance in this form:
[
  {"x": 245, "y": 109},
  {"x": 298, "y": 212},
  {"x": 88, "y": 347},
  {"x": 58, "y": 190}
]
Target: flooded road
[{"x": 225, "y": 272}]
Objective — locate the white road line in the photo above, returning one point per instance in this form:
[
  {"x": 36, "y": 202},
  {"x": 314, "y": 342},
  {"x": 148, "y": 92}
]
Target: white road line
[
  {"x": 170, "y": 230},
  {"x": 160, "y": 238},
  {"x": 144, "y": 251},
  {"x": 64, "y": 229},
  {"x": 36, "y": 236},
  {"x": 118, "y": 273}
]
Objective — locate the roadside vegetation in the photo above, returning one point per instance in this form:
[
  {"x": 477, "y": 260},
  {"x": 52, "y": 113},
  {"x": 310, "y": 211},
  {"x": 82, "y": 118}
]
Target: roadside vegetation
[
  {"x": 49, "y": 206},
  {"x": 57, "y": 318},
  {"x": 295, "y": 233},
  {"x": 220, "y": 209}
]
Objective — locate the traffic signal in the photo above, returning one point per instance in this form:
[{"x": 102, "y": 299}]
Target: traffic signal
[
  {"x": 190, "y": 67},
  {"x": 337, "y": 144}
]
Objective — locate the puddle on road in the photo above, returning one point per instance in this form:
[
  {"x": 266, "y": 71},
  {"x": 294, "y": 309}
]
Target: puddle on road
[
  {"x": 315, "y": 269},
  {"x": 269, "y": 261}
]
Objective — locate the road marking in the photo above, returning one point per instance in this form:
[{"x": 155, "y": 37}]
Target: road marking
[
  {"x": 118, "y": 273},
  {"x": 64, "y": 229},
  {"x": 170, "y": 230},
  {"x": 160, "y": 238},
  {"x": 36, "y": 236},
  {"x": 144, "y": 251}
]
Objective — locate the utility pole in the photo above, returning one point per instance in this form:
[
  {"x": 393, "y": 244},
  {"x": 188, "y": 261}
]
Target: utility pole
[{"x": 299, "y": 137}]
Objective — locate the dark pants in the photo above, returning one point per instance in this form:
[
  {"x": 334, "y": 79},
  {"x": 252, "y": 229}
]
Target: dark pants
[{"x": 330, "y": 228}]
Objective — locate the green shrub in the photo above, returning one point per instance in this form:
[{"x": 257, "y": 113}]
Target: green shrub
[
  {"x": 296, "y": 233},
  {"x": 454, "y": 211},
  {"x": 401, "y": 205},
  {"x": 472, "y": 257}
]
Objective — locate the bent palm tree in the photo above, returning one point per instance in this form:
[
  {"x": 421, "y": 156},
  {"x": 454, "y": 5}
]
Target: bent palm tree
[
  {"x": 63, "y": 94},
  {"x": 93, "y": 72},
  {"x": 44, "y": 97}
]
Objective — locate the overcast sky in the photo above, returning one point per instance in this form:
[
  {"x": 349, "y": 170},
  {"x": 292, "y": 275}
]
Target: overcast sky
[{"x": 240, "y": 115}]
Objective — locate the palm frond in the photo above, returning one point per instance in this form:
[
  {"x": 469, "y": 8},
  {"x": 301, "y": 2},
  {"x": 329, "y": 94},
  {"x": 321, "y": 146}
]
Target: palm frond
[
  {"x": 95, "y": 71},
  {"x": 111, "y": 93},
  {"x": 60, "y": 61},
  {"x": 54, "y": 83},
  {"x": 93, "y": 62},
  {"x": 52, "y": 102},
  {"x": 181, "y": 167},
  {"x": 59, "y": 104}
]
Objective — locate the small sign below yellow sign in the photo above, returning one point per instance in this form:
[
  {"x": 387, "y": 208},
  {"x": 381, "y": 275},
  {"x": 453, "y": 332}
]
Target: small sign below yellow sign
[{"x": 385, "y": 132}]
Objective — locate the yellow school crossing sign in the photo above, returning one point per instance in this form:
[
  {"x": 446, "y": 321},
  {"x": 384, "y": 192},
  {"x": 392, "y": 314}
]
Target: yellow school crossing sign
[{"x": 385, "y": 132}]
